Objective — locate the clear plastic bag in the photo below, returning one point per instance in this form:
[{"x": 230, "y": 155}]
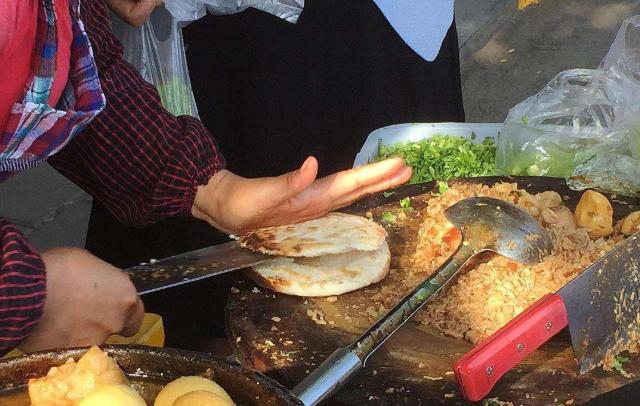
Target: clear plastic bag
[
  {"x": 584, "y": 125},
  {"x": 191, "y": 10},
  {"x": 157, "y": 50}
]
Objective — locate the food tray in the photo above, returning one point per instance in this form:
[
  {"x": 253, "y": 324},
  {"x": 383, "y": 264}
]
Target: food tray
[{"x": 412, "y": 132}]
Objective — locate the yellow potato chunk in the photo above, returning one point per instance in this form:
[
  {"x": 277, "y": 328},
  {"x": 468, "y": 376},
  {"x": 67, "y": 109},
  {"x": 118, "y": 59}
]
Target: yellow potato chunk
[
  {"x": 630, "y": 224},
  {"x": 595, "y": 214},
  {"x": 121, "y": 395},
  {"x": 71, "y": 382},
  {"x": 202, "y": 398},
  {"x": 549, "y": 199},
  {"x": 187, "y": 384},
  {"x": 565, "y": 218}
]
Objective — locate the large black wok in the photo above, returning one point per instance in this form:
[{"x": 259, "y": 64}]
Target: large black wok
[{"x": 148, "y": 369}]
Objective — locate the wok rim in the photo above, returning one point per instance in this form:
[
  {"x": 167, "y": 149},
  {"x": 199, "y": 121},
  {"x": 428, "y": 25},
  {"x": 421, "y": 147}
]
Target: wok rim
[{"x": 55, "y": 357}]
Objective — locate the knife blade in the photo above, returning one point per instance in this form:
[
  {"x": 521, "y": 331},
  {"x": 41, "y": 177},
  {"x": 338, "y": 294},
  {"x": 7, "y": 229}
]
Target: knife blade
[
  {"x": 192, "y": 266},
  {"x": 600, "y": 306}
]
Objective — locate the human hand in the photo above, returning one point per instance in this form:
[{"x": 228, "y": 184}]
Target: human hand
[
  {"x": 235, "y": 204},
  {"x": 87, "y": 301},
  {"x": 134, "y": 12}
]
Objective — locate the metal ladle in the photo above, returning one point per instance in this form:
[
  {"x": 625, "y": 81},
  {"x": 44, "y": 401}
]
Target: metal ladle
[{"x": 486, "y": 224}]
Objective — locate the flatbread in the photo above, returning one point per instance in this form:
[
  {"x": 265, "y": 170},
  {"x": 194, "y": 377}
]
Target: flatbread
[
  {"x": 333, "y": 234},
  {"x": 327, "y": 275}
]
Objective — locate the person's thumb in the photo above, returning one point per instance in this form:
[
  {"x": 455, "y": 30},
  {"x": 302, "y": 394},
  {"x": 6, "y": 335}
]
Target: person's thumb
[
  {"x": 134, "y": 318},
  {"x": 291, "y": 184}
]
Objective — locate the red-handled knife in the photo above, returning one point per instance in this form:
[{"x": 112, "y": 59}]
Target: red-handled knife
[{"x": 601, "y": 306}]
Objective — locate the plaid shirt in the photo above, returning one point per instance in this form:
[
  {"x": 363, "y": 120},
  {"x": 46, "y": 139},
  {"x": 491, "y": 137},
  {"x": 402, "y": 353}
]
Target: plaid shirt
[
  {"x": 135, "y": 157},
  {"x": 35, "y": 130}
]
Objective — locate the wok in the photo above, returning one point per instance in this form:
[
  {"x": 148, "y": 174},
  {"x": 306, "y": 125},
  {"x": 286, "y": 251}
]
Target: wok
[{"x": 148, "y": 369}]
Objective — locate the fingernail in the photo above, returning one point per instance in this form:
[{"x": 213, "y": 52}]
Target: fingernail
[
  {"x": 306, "y": 164},
  {"x": 404, "y": 171}
]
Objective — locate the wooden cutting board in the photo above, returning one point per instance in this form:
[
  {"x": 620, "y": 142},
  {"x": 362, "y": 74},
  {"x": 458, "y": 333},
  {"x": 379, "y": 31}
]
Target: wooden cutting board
[{"x": 287, "y": 337}]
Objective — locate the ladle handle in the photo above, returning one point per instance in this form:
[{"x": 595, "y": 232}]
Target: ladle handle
[
  {"x": 328, "y": 378},
  {"x": 344, "y": 363},
  {"x": 377, "y": 334}
]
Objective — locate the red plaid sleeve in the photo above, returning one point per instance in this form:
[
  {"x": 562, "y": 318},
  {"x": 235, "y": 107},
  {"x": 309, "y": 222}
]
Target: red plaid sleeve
[
  {"x": 140, "y": 161},
  {"x": 22, "y": 287}
]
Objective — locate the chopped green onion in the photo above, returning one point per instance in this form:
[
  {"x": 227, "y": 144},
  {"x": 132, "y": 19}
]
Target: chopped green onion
[
  {"x": 444, "y": 157},
  {"x": 618, "y": 364},
  {"x": 388, "y": 217},
  {"x": 442, "y": 186}
]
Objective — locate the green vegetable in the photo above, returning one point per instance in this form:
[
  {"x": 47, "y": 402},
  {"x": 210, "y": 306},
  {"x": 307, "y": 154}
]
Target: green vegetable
[
  {"x": 618, "y": 364},
  {"x": 634, "y": 138},
  {"x": 442, "y": 186},
  {"x": 175, "y": 95},
  {"x": 493, "y": 402},
  {"x": 547, "y": 160},
  {"x": 387, "y": 194},
  {"x": 405, "y": 205},
  {"x": 388, "y": 217},
  {"x": 533, "y": 170},
  {"x": 535, "y": 152},
  {"x": 444, "y": 157}
]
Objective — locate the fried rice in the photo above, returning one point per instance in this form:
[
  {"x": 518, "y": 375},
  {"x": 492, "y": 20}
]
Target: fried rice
[{"x": 497, "y": 289}]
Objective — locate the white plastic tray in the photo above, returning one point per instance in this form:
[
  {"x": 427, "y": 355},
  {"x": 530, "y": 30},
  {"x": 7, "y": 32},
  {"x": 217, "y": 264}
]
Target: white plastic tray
[{"x": 412, "y": 132}]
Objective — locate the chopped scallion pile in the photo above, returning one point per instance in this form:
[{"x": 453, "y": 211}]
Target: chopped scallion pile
[{"x": 444, "y": 157}]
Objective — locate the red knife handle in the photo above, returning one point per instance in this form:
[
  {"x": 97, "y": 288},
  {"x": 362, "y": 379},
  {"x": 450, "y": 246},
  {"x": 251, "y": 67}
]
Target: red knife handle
[{"x": 479, "y": 370}]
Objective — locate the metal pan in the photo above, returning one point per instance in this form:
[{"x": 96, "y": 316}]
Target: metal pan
[
  {"x": 413, "y": 366},
  {"x": 148, "y": 369}
]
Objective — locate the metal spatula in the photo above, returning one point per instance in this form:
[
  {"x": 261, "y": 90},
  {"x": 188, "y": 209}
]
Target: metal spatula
[{"x": 486, "y": 224}]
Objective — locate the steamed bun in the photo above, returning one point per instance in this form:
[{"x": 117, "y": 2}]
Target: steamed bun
[
  {"x": 121, "y": 395},
  {"x": 187, "y": 384},
  {"x": 202, "y": 398}
]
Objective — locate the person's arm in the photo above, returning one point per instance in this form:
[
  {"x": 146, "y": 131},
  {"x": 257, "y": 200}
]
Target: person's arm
[
  {"x": 22, "y": 287},
  {"x": 140, "y": 161},
  {"x": 62, "y": 298},
  {"x": 144, "y": 164}
]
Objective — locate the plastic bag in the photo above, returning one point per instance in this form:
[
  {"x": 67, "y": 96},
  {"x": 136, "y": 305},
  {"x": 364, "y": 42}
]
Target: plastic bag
[
  {"x": 191, "y": 10},
  {"x": 622, "y": 80},
  {"x": 157, "y": 50},
  {"x": 584, "y": 125}
]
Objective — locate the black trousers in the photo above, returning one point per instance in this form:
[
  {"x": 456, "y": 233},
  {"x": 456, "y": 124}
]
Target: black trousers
[{"x": 273, "y": 93}]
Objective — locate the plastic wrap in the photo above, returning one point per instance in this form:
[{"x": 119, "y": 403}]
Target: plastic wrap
[
  {"x": 157, "y": 50},
  {"x": 191, "y": 10},
  {"x": 584, "y": 125}
]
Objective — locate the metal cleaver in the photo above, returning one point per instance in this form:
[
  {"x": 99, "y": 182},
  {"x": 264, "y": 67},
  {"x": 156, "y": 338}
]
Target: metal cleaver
[
  {"x": 192, "y": 266},
  {"x": 601, "y": 306}
]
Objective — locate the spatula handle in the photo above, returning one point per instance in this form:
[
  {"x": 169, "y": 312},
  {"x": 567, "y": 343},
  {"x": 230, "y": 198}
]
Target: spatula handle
[{"x": 479, "y": 370}]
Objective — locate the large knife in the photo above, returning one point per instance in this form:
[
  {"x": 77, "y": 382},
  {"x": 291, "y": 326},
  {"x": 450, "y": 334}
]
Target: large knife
[
  {"x": 192, "y": 266},
  {"x": 601, "y": 306}
]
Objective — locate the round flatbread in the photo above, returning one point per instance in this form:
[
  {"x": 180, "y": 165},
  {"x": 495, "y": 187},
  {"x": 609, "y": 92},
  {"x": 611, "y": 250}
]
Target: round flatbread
[
  {"x": 333, "y": 234},
  {"x": 327, "y": 275}
]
